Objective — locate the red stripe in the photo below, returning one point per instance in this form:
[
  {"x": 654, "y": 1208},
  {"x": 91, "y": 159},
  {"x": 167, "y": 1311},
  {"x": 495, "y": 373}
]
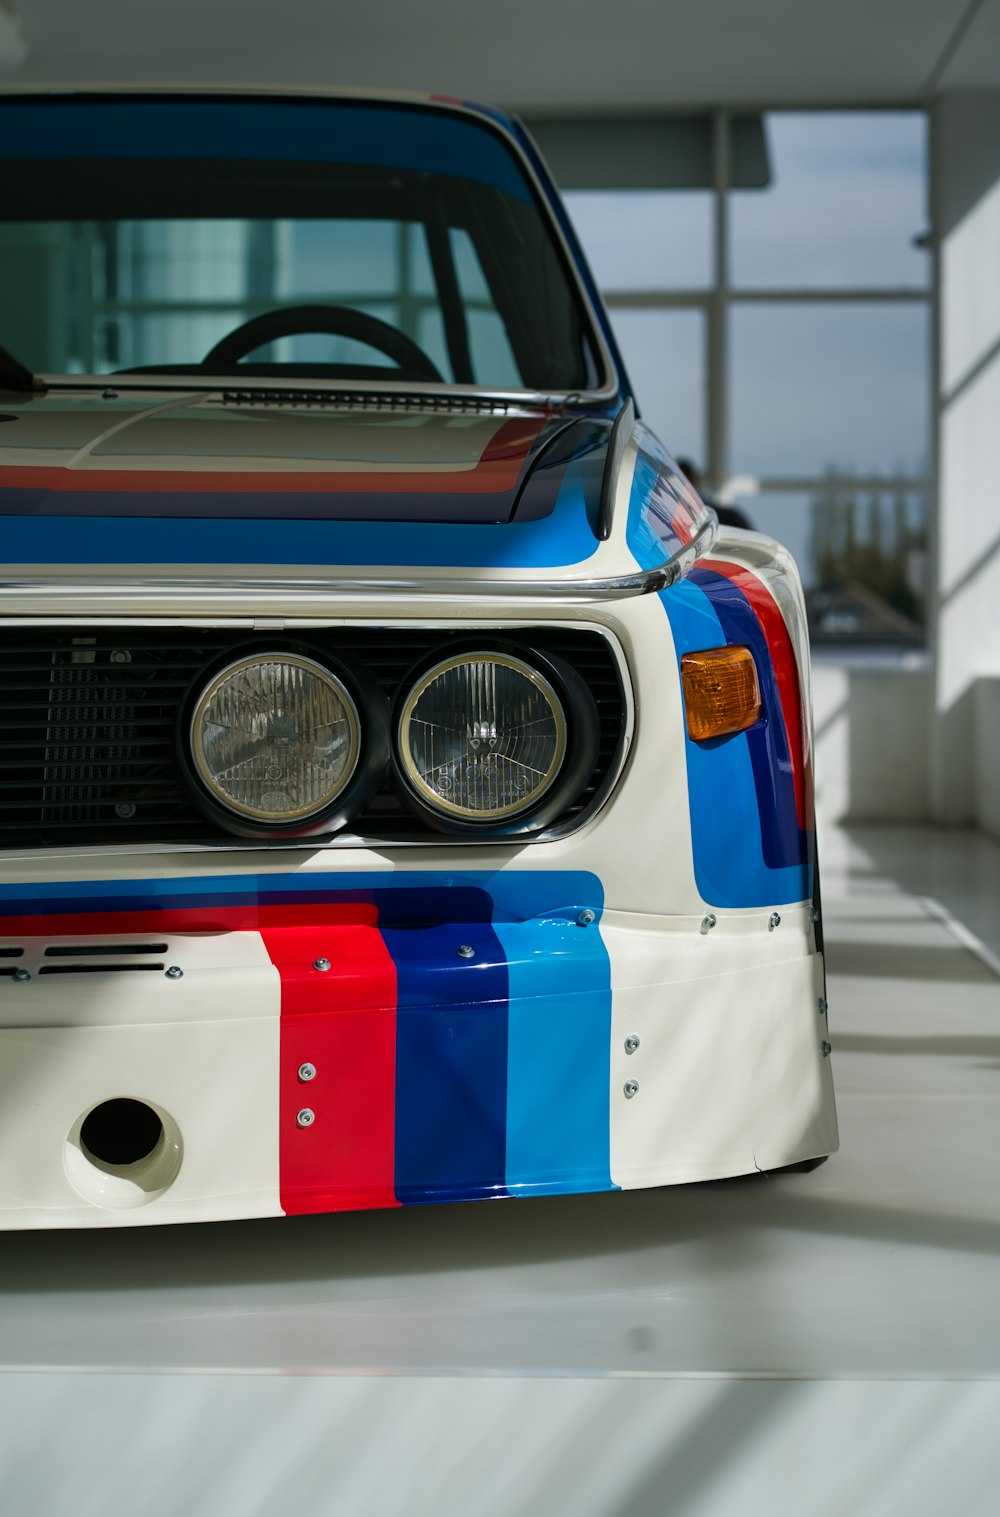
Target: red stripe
[
  {"x": 343, "y": 1023},
  {"x": 786, "y": 672},
  {"x": 497, "y": 470}
]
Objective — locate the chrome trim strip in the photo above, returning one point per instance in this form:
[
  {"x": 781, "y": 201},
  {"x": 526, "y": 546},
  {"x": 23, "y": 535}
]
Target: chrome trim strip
[
  {"x": 226, "y": 384},
  {"x": 265, "y": 591}
]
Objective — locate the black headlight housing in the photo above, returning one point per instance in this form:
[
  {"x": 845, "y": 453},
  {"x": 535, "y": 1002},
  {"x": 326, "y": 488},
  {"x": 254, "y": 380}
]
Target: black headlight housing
[
  {"x": 283, "y": 742},
  {"x": 493, "y": 739}
]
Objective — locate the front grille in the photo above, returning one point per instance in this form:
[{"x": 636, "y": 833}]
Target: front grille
[{"x": 90, "y": 719}]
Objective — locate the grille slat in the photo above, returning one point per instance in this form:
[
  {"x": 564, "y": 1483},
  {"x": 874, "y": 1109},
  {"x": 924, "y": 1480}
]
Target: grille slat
[
  {"x": 91, "y": 718},
  {"x": 140, "y": 704}
]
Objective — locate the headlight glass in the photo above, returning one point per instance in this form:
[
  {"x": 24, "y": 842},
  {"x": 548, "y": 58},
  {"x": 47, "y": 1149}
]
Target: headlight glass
[
  {"x": 275, "y": 737},
  {"x": 482, "y": 736}
]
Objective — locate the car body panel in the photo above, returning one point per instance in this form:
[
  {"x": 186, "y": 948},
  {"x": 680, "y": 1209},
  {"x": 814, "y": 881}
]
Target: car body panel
[
  {"x": 208, "y": 459},
  {"x": 438, "y": 1077},
  {"x": 335, "y": 1023},
  {"x": 532, "y": 485}
]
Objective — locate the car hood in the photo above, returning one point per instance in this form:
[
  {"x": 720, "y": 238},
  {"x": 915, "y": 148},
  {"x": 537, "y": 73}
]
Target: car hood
[
  {"x": 229, "y": 479},
  {"x": 418, "y": 492},
  {"x": 216, "y": 457}
]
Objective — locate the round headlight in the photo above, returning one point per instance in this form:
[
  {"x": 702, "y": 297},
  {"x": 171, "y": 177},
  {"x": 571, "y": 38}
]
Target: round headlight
[
  {"x": 482, "y": 737},
  {"x": 275, "y": 737}
]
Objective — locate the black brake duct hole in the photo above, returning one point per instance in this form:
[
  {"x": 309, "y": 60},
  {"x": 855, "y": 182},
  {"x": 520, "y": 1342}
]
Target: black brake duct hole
[{"x": 121, "y": 1131}]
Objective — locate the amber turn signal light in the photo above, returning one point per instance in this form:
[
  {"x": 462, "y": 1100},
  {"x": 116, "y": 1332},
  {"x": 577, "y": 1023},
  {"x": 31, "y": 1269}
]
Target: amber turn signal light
[{"x": 721, "y": 693}]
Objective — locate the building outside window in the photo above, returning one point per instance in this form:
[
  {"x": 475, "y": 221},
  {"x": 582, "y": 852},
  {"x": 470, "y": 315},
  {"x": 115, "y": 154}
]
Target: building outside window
[{"x": 775, "y": 319}]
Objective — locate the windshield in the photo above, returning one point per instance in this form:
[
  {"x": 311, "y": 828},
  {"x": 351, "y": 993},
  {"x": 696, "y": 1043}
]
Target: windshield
[{"x": 329, "y": 239}]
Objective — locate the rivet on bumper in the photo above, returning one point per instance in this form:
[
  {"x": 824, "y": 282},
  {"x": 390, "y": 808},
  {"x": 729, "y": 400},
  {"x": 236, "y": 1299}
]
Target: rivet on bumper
[
  {"x": 20, "y": 976},
  {"x": 826, "y": 1049},
  {"x": 708, "y": 922},
  {"x": 307, "y": 1071},
  {"x": 585, "y": 917},
  {"x": 631, "y": 1088},
  {"x": 174, "y": 972},
  {"x": 631, "y": 1043},
  {"x": 821, "y": 1006},
  {"x": 773, "y": 921},
  {"x": 466, "y": 951},
  {"x": 305, "y": 1117},
  {"x": 322, "y": 965}
]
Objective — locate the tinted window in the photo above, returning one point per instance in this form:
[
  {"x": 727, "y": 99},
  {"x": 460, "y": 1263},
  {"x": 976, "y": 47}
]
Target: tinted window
[{"x": 139, "y": 233}]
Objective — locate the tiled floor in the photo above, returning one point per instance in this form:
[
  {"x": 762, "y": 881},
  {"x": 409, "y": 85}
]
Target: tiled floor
[
  {"x": 809, "y": 1343},
  {"x": 955, "y": 866}
]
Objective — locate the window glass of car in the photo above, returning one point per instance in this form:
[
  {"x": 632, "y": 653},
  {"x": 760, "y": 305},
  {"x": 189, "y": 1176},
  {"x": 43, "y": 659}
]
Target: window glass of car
[{"x": 137, "y": 234}]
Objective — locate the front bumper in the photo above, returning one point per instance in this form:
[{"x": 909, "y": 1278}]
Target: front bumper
[{"x": 339, "y": 1040}]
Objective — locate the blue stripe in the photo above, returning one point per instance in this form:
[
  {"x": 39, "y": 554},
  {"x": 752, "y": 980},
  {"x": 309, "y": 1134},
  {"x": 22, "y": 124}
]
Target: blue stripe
[
  {"x": 516, "y": 895},
  {"x": 558, "y": 1057},
  {"x": 726, "y": 832},
  {"x": 563, "y": 537},
  {"x": 316, "y": 131},
  {"x": 784, "y": 843},
  {"x": 451, "y": 1063},
  {"x": 747, "y": 846}
]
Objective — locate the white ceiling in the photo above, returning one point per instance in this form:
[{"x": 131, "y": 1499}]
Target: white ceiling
[{"x": 537, "y": 56}]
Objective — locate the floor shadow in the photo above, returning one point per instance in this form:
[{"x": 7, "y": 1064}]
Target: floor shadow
[
  {"x": 914, "y": 1226},
  {"x": 727, "y": 1219},
  {"x": 947, "y": 963},
  {"x": 966, "y": 1047},
  {"x": 958, "y": 866},
  {"x": 680, "y": 1479},
  {"x": 438, "y": 1239}
]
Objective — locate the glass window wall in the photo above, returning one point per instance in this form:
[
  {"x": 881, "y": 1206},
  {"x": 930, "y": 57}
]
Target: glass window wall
[{"x": 797, "y": 372}]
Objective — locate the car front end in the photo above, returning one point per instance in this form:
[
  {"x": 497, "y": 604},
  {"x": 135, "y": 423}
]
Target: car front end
[{"x": 406, "y": 785}]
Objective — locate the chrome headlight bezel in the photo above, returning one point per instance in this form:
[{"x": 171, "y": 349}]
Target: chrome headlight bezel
[
  {"x": 362, "y": 773},
  {"x": 576, "y": 749}
]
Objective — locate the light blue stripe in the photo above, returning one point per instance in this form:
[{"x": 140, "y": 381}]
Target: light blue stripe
[
  {"x": 726, "y": 834},
  {"x": 558, "y": 1056}
]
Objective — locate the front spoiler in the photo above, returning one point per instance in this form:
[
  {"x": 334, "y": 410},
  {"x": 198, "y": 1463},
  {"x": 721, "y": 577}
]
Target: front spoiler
[{"x": 556, "y": 1057}]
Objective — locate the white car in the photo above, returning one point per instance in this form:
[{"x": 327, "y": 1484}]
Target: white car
[{"x": 405, "y": 792}]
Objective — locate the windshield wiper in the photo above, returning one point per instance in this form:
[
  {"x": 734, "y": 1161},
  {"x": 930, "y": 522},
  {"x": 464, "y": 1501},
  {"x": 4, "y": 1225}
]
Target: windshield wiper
[{"x": 14, "y": 376}]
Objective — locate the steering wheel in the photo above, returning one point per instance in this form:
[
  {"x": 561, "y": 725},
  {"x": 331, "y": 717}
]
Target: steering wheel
[{"x": 339, "y": 321}]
